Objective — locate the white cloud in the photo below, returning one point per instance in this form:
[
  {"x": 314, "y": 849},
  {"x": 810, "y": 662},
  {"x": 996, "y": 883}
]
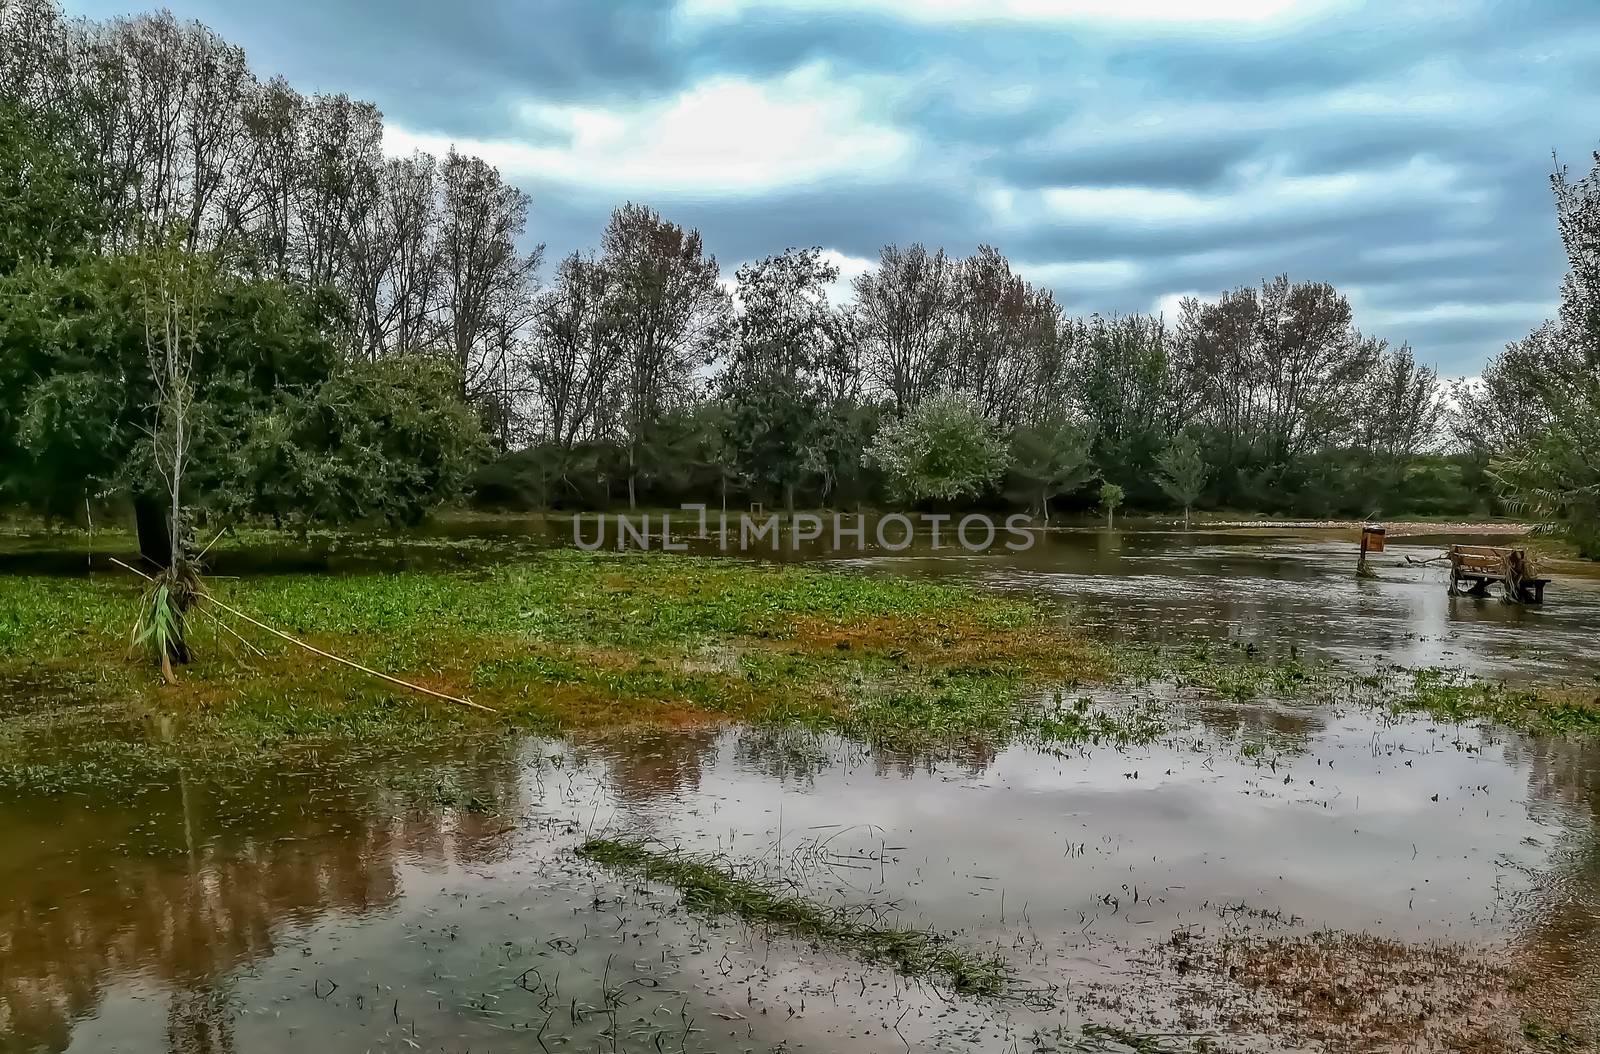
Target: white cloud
[
  {"x": 841, "y": 290},
  {"x": 1267, "y": 194},
  {"x": 1170, "y": 305},
  {"x": 1500, "y": 311},
  {"x": 724, "y": 135},
  {"x": 1067, "y": 277}
]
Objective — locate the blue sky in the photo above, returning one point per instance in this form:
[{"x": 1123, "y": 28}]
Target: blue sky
[{"x": 1123, "y": 152}]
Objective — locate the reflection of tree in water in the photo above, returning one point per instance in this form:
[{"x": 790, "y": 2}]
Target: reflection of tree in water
[
  {"x": 187, "y": 884},
  {"x": 1284, "y": 727},
  {"x": 657, "y": 765},
  {"x": 1560, "y": 944},
  {"x": 789, "y": 754},
  {"x": 973, "y": 756}
]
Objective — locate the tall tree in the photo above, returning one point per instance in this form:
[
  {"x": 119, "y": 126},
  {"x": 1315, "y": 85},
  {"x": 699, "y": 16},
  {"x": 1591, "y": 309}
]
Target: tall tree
[
  {"x": 668, "y": 314},
  {"x": 1404, "y": 414},
  {"x": 486, "y": 284},
  {"x": 1004, "y": 328},
  {"x": 1050, "y": 460},
  {"x": 776, "y": 382},
  {"x": 1181, "y": 473},
  {"x": 1279, "y": 372},
  {"x": 1541, "y": 398},
  {"x": 905, "y": 314},
  {"x": 573, "y": 359},
  {"x": 1123, "y": 381}
]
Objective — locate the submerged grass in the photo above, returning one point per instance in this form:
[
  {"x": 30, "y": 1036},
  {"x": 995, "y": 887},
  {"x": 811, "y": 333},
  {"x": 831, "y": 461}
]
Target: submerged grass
[
  {"x": 572, "y": 642},
  {"x": 711, "y": 885}
]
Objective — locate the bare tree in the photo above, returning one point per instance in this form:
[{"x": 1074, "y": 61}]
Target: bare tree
[
  {"x": 573, "y": 359},
  {"x": 1405, "y": 409},
  {"x": 1004, "y": 326},
  {"x": 668, "y": 313},
  {"x": 394, "y": 258},
  {"x": 487, "y": 291},
  {"x": 905, "y": 316},
  {"x": 1281, "y": 368}
]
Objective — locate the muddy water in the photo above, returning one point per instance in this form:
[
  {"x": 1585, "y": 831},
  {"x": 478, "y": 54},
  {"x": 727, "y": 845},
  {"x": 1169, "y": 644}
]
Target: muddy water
[
  {"x": 1292, "y": 589},
  {"x": 435, "y": 904}
]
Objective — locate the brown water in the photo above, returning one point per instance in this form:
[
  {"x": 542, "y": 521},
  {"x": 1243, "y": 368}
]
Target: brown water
[{"x": 434, "y": 903}]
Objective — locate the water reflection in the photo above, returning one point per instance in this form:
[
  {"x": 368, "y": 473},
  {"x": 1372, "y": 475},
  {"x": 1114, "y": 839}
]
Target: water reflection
[
  {"x": 352, "y": 913},
  {"x": 185, "y": 887}
]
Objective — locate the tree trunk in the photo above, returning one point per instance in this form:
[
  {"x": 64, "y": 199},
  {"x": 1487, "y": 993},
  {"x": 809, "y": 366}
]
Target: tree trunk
[
  {"x": 1044, "y": 506},
  {"x": 788, "y": 497},
  {"x": 1186, "y": 517},
  {"x": 633, "y": 502},
  {"x": 155, "y": 532}
]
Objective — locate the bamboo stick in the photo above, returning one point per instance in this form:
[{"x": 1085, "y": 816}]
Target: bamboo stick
[{"x": 318, "y": 651}]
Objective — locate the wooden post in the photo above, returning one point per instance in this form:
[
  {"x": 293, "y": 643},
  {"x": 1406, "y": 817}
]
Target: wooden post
[{"x": 1371, "y": 542}]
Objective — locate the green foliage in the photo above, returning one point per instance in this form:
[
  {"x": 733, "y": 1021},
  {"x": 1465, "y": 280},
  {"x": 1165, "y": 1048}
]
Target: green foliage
[
  {"x": 1539, "y": 404},
  {"x": 1111, "y": 497},
  {"x": 384, "y": 440},
  {"x": 160, "y": 623},
  {"x": 943, "y": 449},
  {"x": 1181, "y": 472},
  {"x": 281, "y": 427},
  {"x": 772, "y": 429},
  {"x": 1049, "y": 460},
  {"x": 45, "y": 216},
  {"x": 1126, "y": 384}
]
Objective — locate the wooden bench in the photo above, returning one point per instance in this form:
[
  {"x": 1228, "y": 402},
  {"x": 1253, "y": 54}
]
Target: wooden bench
[{"x": 1473, "y": 568}]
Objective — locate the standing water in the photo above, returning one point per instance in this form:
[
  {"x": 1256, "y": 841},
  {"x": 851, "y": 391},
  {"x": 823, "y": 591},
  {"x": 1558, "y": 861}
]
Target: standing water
[{"x": 435, "y": 903}]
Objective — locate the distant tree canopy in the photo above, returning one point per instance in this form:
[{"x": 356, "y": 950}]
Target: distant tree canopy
[{"x": 372, "y": 314}]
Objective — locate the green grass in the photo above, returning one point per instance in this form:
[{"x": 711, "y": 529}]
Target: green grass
[
  {"x": 569, "y": 642},
  {"x": 1457, "y": 697},
  {"x": 713, "y": 886}
]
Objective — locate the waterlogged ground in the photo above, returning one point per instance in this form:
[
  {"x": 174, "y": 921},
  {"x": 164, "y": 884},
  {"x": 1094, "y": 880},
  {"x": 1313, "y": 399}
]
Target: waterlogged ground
[
  {"x": 1266, "y": 874},
  {"x": 436, "y": 903}
]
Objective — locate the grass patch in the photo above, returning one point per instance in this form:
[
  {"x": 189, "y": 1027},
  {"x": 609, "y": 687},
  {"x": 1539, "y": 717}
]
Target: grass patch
[
  {"x": 712, "y": 886},
  {"x": 1457, "y": 697},
  {"x": 568, "y": 642}
]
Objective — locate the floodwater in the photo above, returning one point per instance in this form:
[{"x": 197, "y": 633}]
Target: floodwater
[{"x": 433, "y": 903}]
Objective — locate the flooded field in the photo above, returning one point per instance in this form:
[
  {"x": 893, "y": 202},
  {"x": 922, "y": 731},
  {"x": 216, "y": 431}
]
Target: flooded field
[{"x": 1268, "y": 875}]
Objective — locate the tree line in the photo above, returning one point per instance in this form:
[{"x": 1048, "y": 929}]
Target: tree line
[
  {"x": 644, "y": 379},
  {"x": 376, "y": 330}
]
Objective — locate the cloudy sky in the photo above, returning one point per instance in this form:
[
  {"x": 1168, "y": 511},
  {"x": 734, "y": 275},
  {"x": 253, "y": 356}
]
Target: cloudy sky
[{"x": 1123, "y": 152}]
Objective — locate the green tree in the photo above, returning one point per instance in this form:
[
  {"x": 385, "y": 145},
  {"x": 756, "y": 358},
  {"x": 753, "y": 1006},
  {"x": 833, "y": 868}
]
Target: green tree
[
  {"x": 1111, "y": 496},
  {"x": 667, "y": 314},
  {"x": 1541, "y": 398},
  {"x": 1049, "y": 460},
  {"x": 773, "y": 387},
  {"x": 1125, "y": 384},
  {"x": 385, "y": 440},
  {"x": 44, "y": 213},
  {"x": 279, "y": 425},
  {"x": 943, "y": 448},
  {"x": 1181, "y": 473}
]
